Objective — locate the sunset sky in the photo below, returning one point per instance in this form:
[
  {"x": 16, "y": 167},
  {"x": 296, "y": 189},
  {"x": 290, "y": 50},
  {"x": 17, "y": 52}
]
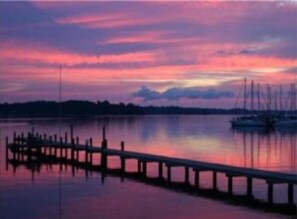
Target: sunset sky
[{"x": 148, "y": 53}]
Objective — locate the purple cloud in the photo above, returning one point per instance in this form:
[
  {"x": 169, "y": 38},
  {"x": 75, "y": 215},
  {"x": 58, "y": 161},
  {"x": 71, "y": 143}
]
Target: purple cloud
[{"x": 179, "y": 93}]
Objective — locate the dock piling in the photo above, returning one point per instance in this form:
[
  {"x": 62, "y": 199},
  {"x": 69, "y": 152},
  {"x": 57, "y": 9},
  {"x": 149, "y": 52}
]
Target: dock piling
[
  {"x": 61, "y": 149},
  {"x": 249, "y": 187},
  {"x": 270, "y": 192},
  {"x": 168, "y": 173},
  {"x": 214, "y": 180},
  {"x": 139, "y": 166},
  {"x": 290, "y": 194},
  {"x": 230, "y": 185},
  {"x": 160, "y": 170},
  {"x": 104, "y": 140},
  {"x": 187, "y": 175},
  {"x": 86, "y": 152},
  {"x": 197, "y": 176},
  {"x": 72, "y": 149},
  {"x": 144, "y": 165}
]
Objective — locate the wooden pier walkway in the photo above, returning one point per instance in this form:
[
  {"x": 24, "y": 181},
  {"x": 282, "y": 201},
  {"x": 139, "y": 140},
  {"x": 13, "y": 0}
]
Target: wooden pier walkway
[{"x": 36, "y": 144}]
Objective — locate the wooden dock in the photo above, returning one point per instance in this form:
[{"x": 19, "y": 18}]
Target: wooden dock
[{"x": 34, "y": 144}]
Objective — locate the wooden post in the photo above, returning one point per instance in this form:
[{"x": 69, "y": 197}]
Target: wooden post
[
  {"x": 123, "y": 160},
  {"x": 291, "y": 194},
  {"x": 139, "y": 166},
  {"x": 270, "y": 192},
  {"x": 18, "y": 139},
  {"x": 168, "y": 173},
  {"x": 197, "y": 178},
  {"x": 187, "y": 175},
  {"x": 61, "y": 148},
  {"x": 55, "y": 145},
  {"x": 123, "y": 164},
  {"x": 86, "y": 153},
  {"x": 214, "y": 180},
  {"x": 230, "y": 185},
  {"x": 77, "y": 140},
  {"x": 90, "y": 153},
  {"x": 50, "y": 147},
  {"x": 44, "y": 136},
  {"x": 104, "y": 163},
  {"x": 144, "y": 168},
  {"x": 249, "y": 187},
  {"x": 160, "y": 170},
  {"x": 104, "y": 141},
  {"x": 72, "y": 150}
]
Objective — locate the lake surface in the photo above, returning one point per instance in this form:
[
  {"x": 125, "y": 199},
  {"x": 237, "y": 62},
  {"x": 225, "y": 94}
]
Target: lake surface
[{"x": 55, "y": 193}]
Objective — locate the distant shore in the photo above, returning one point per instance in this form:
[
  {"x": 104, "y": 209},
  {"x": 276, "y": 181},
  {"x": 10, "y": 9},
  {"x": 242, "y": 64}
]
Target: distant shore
[{"x": 87, "y": 108}]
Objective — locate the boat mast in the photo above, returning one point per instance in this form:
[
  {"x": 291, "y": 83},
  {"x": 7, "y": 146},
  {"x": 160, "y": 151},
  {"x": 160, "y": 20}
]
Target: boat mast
[
  {"x": 292, "y": 98},
  {"x": 275, "y": 100},
  {"x": 258, "y": 97},
  {"x": 244, "y": 96},
  {"x": 252, "y": 97},
  {"x": 268, "y": 98},
  {"x": 281, "y": 98},
  {"x": 60, "y": 98}
]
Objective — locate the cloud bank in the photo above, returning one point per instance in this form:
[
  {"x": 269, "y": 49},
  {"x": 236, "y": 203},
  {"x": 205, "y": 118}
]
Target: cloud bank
[{"x": 179, "y": 93}]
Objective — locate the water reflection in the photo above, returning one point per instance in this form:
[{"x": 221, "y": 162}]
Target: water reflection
[
  {"x": 264, "y": 149},
  {"x": 35, "y": 166},
  {"x": 205, "y": 138}
]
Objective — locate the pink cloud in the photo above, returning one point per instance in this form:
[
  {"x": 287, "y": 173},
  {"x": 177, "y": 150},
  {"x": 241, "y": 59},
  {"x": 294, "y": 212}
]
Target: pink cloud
[{"x": 33, "y": 53}]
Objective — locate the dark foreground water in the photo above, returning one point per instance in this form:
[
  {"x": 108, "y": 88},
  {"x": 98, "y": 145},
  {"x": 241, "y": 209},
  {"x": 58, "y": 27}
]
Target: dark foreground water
[{"x": 53, "y": 193}]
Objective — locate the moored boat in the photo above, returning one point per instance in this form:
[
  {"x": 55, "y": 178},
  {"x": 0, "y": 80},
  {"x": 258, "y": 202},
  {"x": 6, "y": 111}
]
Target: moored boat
[
  {"x": 286, "y": 121},
  {"x": 253, "y": 121}
]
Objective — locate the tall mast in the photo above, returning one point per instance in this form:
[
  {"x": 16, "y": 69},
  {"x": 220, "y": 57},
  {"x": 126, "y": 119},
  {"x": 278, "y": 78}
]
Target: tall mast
[
  {"x": 275, "y": 100},
  {"x": 244, "y": 95},
  {"x": 60, "y": 98},
  {"x": 268, "y": 98},
  {"x": 292, "y": 97},
  {"x": 60, "y": 84},
  {"x": 280, "y": 98},
  {"x": 258, "y": 96},
  {"x": 252, "y": 96}
]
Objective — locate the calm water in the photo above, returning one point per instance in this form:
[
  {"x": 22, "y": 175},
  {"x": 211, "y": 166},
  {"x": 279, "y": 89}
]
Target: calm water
[{"x": 58, "y": 194}]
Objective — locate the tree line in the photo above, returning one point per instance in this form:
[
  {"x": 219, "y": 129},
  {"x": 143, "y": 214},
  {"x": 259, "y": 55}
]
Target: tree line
[{"x": 87, "y": 108}]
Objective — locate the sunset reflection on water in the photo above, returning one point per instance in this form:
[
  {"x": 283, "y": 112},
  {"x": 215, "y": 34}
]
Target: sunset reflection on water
[{"x": 203, "y": 138}]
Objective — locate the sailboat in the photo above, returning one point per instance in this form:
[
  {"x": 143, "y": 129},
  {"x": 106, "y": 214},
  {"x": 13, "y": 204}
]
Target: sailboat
[
  {"x": 253, "y": 120},
  {"x": 289, "y": 120}
]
